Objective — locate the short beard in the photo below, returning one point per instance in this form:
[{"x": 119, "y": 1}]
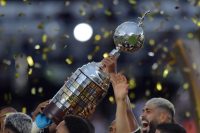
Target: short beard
[{"x": 152, "y": 127}]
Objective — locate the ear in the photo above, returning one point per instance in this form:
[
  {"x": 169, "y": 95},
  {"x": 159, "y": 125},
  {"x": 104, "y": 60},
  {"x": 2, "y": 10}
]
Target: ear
[{"x": 163, "y": 117}]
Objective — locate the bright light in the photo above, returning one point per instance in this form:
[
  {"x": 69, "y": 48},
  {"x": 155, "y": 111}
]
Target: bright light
[{"x": 83, "y": 32}]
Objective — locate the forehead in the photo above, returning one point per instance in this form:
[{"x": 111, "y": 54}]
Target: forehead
[{"x": 149, "y": 106}]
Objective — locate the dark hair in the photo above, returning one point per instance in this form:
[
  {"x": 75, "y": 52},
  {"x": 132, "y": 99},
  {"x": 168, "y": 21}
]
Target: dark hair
[
  {"x": 170, "y": 128},
  {"x": 76, "y": 124},
  {"x": 18, "y": 122},
  {"x": 10, "y": 126}
]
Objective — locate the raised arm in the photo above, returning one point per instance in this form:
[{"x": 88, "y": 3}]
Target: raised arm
[
  {"x": 120, "y": 87},
  {"x": 131, "y": 117}
]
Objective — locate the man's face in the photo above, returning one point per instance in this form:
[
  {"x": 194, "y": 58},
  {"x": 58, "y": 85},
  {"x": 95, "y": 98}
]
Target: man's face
[
  {"x": 3, "y": 114},
  {"x": 61, "y": 128},
  {"x": 112, "y": 127},
  {"x": 150, "y": 118}
]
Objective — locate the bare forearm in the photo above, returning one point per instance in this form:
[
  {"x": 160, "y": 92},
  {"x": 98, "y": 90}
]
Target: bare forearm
[
  {"x": 132, "y": 121},
  {"x": 131, "y": 117},
  {"x": 122, "y": 124}
]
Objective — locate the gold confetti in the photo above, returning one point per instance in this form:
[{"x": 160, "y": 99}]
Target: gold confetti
[
  {"x": 30, "y": 61},
  {"x": 45, "y": 50},
  {"x": 108, "y": 12},
  {"x": 165, "y": 49},
  {"x": 105, "y": 55},
  {"x": 33, "y": 91},
  {"x": 111, "y": 99},
  {"x": 40, "y": 89},
  {"x": 44, "y": 38},
  {"x": 187, "y": 114},
  {"x": 147, "y": 93},
  {"x": 100, "y": 5},
  {"x": 133, "y": 2},
  {"x": 132, "y": 105},
  {"x": 194, "y": 66},
  {"x": 16, "y": 75},
  {"x": 132, "y": 95},
  {"x": 186, "y": 86},
  {"x": 97, "y": 37},
  {"x": 97, "y": 48},
  {"x": 3, "y": 2},
  {"x": 30, "y": 71},
  {"x": 152, "y": 42},
  {"x": 158, "y": 86},
  {"x": 196, "y": 21},
  {"x": 106, "y": 34},
  {"x": 165, "y": 73},
  {"x": 68, "y": 61},
  {"x": 82, "y": 11},
  {"x": 89, "y": 57},
  {"x": 190, "y": 35},
  {"x": 132, "y": 83},
  {"x": 44, "y": 56},
  {"x": 24, "y": 110},
  {"x": 37, "y": 46}
]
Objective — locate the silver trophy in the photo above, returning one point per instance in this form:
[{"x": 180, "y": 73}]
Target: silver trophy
[{"x": 89, "y": 84}]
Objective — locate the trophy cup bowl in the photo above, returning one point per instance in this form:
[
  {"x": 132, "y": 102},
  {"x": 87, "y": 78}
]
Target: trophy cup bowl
[
  {"x": 128, "y": 37},
  {"x": 89, "y": 84}
]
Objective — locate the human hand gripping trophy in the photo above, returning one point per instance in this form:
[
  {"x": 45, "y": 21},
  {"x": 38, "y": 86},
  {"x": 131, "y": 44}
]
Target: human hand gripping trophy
[{"x": 89, "y": 84}]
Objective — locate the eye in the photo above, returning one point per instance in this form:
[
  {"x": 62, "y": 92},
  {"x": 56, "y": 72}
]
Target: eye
[{"x": 148, "y": 111}]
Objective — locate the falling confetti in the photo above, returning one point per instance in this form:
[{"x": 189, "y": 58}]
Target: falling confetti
[
  {"x": 186, "y": 86},
  {"x": 165, "y": 73},
  {"x": 187, "y": 114},
  {"x": 30, "y": 71},
  {"x": 69, "y": 61},
  {"x": 24, "y": 110},
  {"x": 97, "y": 37},
  {"x": 132, "y": 83},
  {"x": 111, "y": 99},
  {"x": 3, "y": 2},
  {"x": 105, "y": 55},
  {"x": 108, "y": 12},
  {"x": 152, "y": 42},
  {"x": 37, "y": 46},
  {"x": 40, "y": 90},
  {"x": 30, "y": 61},
  {"x": 90, "y": 57},
  {"x": 196, "y": 21},
  {"x": 158, "y": 86},
  {"x": 44, "y": 38},
  {"x": 132, "y": 95},
  {"x": 33, "y": 91}
]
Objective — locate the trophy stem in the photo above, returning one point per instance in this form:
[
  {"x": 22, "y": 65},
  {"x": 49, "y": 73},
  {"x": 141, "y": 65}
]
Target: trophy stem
[{"x": 115, "y": 52}]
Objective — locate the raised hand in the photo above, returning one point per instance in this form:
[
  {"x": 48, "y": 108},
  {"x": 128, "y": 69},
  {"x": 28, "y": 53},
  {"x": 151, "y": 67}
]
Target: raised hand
[
  {"x": 39, "y": 109},
  {"x": 120, "y": 86},
  {"x": 109, "y": 64}
]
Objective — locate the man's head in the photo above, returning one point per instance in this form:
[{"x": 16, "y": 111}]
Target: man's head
[
  {"x": 3, "y": 112},
  {"x": 73, "y": 124},
  {"x": 156, "y": 111},
  {"x": 169, "y": 128},
  {"x": 17, "y": 123},
  {"x": 112, "y": 127}
]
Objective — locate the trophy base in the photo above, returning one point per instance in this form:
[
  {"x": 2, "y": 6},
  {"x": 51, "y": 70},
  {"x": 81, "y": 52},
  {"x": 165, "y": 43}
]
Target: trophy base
[{"x": 54, "y": 113}]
